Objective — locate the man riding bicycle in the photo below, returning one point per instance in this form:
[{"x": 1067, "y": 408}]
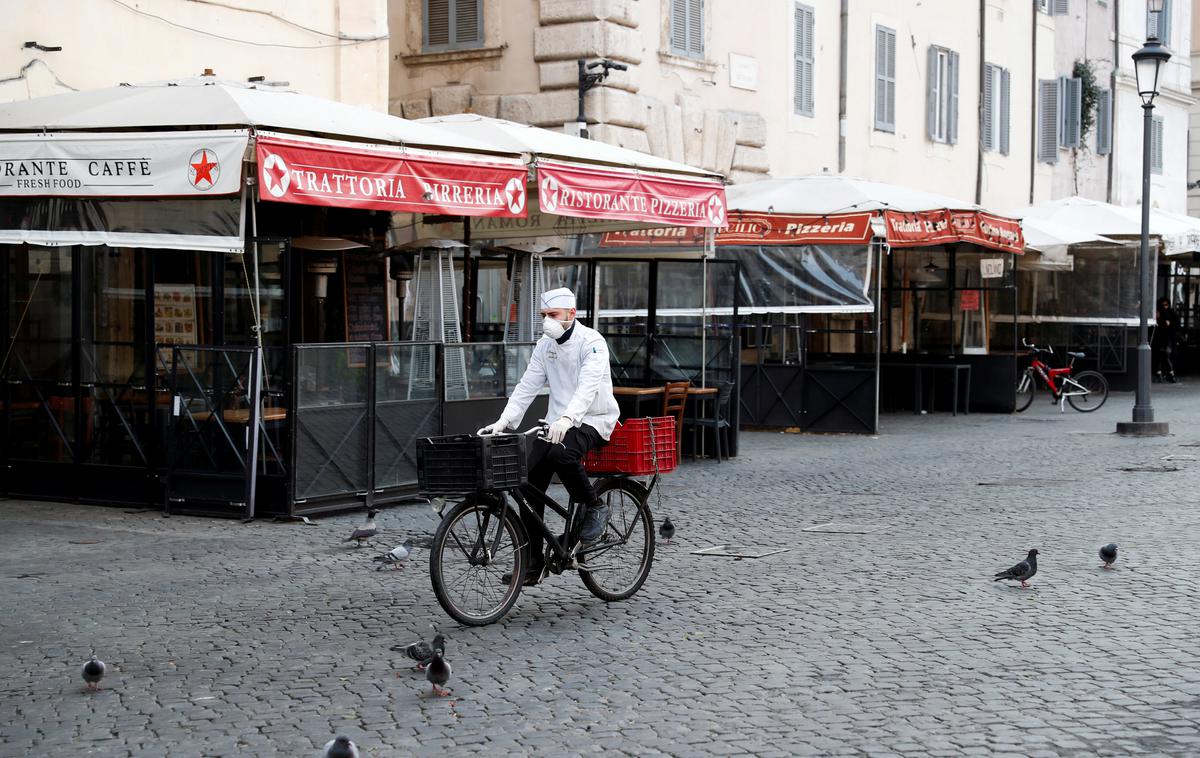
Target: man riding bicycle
[{"x": 572, "y": 360}]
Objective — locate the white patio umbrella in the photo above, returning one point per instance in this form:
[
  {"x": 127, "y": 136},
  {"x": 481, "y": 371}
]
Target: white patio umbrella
[
  {"x": 820, "y": 194},
  {"x": 1115, "y": 221}
]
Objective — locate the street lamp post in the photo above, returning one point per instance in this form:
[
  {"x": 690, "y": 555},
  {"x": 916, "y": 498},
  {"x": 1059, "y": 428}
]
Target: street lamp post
[{"x": 1147, "y": 64}]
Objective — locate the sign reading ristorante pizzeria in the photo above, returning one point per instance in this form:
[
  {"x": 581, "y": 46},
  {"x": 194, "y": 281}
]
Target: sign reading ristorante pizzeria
[
  {"x": 346, "y": 175},
  {"x": 620, "y": 194},
  {"x": 125, "y": 164}
]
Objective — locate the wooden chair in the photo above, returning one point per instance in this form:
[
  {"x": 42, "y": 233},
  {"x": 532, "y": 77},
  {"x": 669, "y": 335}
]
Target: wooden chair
[{"x": 674, "y": 402}]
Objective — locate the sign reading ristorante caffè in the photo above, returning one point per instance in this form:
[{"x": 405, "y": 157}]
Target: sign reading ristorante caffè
[{"x": 129, "y": 164}]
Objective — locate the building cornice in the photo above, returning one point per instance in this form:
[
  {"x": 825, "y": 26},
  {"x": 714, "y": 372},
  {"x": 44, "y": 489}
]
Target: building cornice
[{"x": 452, "y": 56}]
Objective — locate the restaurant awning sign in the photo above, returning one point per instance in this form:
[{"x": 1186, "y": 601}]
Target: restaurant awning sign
[
  {"x": 125, "y": 164},
  {"x": 350, "y": 175},
  {"x": 596, "y": 192},
  {"x": 946, "y": 226},
  {"x": 748, "y": 229}
]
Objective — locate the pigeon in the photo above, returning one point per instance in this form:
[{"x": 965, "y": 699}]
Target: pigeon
[
  {"x": 340, "y": 747},
  {"x": 421, "y": 651},
  {"x": 1022, "y": 571},
  {"x": 366, "y": 531},
  {"x": 93, "y": 672},
  {"x": 438, "y": 673},
  {"x": 395, "y": 557},
  {"x": 1108, "y": 554},
  {"x": 667, "y": 530}
]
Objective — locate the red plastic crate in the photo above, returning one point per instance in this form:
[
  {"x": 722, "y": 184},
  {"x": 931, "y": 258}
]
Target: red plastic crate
[{"x": 639, "y": 447}]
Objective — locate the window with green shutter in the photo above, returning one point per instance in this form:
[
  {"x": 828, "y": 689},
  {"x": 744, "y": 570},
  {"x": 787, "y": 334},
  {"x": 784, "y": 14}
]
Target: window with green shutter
[
  {"x": 941, "y": 95},
  {"x": 885, "y": 79},
  {"x": 1104, "y": 122},
  {"x": 1070, "y": 109},
  {"x": 1048, "y": 121},
  {"x": 1156, "y": 145},
  {"x": 994, "y": 119},
  {"x": 1159, "y": 24},
  {"x": 687, "y": 28},
  {"x": 452, "y": 24},
  {"x": 803, "y": 60}
]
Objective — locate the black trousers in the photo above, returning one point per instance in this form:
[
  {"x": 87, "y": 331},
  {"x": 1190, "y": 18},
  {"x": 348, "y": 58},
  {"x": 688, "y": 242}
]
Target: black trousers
[
  {"x": 1160, "y": 359},
  {"x": 566, "y": 460}
]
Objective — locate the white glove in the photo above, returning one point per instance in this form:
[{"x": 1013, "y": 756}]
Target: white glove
[
  {"x": 558, "y": 430},
  {"x": 496, "y": 427}
]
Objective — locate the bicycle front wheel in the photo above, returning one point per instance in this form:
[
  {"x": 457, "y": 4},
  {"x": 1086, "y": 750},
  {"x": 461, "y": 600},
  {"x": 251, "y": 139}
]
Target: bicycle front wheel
[
  {"x": 1086, "y": 391},
  {"x": 478, "y": 542},
  {"x": 1026, "y": 386},
  {"x": 616, "y": 566}
]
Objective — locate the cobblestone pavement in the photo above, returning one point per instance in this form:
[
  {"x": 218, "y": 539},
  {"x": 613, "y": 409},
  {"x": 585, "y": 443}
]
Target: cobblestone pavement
[{"x": 226, "y": 639}]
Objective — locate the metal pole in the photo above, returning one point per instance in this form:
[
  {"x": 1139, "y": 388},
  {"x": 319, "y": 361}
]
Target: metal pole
[
  {"x": 1143, "y": 423},
  {"x": 582, "y": 89},
  {"x": 1143, "y": 411}
]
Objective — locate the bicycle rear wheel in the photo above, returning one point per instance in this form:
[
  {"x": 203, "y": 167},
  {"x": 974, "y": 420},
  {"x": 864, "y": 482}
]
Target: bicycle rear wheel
[
  {"x": 478, "y": 542},
  {"x": 1026, "y": 387},
  {"x": 1092, "y": 384},
  {"x": 616, "y": 566}
]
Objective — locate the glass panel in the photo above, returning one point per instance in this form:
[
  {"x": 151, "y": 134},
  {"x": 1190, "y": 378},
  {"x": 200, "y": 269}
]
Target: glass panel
[
  {"x": 39, "y": 320},
  {"x": 482, "y": 375},
  {"x": 36, "y": 363},
  {"x": 331, "y": 421},
  {"x": 491, "y": 299},
  {"x": 801, "y": 278},
  {"x": 182, "y": 300},
  {"x": 113, "y": 358},
  {"x": 928, "y": 267},
  {"x": 406, "y": 409},
  {"x": 933, "y": 332},
  {"x": 574, "y": 276}
]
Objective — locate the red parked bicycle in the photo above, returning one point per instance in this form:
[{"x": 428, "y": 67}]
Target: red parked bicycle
[{"x": 1085, "y": 391}]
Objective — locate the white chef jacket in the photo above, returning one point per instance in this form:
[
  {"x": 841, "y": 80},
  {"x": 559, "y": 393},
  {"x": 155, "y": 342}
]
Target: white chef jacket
[{"x": 580, "y": 383}]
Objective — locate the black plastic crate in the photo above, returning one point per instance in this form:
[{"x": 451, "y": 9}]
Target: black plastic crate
[{"x": 464, "y": 463}]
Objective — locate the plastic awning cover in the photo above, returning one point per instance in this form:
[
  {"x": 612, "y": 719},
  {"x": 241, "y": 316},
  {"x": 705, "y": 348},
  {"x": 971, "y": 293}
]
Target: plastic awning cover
[{"x": 803, "y": 279}]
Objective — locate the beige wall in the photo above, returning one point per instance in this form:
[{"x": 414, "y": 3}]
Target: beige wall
[{"x": 105, "y": 44}]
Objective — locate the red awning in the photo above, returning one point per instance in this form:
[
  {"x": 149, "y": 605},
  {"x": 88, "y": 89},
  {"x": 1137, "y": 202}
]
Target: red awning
[
  {"x": 351, "y": 175},
  {"x": 612, "y": 194},
  {"x": 944, "y": 226},
  {"x": 903, "y": 230}
]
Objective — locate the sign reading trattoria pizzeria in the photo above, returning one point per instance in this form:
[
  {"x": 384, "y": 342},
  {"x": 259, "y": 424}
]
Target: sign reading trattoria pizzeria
[
  {"x": 124, "y": 164},
  {"x": 945, "y": 226},
  {"x": 347, "y": 175},
  {"x": 627, "y": 195}
]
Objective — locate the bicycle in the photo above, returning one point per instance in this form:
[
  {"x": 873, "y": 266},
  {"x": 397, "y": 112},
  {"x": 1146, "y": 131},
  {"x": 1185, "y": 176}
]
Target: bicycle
[
  {"x": 482, "y": 538},
  {"x": 1085, "y": 391}
]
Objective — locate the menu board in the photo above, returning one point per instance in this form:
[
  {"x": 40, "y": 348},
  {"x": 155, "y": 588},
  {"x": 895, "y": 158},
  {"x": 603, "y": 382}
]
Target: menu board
[
  {"x": 175, "y": 314},
  {"x": 365, "y": 281}
]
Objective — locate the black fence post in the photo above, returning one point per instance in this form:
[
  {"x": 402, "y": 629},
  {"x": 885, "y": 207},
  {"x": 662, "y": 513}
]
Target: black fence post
[{"x": 370, "y": 418}]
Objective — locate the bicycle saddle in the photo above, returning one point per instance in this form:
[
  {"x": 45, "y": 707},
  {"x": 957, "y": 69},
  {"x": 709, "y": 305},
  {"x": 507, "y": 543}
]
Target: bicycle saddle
[{"x": 1077, "y": 355}]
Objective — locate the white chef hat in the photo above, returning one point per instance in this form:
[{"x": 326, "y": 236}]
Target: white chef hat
[{"x": 559, "y": 298}]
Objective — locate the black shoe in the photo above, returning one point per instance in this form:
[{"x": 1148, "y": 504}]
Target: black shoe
[
  {"x": 594, "y": 522},
  {"x": 533, "y": 575},
  {"x": 1172, "y": 379}
]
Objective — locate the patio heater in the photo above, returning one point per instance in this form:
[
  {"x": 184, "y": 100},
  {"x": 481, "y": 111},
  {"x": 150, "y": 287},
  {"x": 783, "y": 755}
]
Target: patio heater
[{"x": 1147, "y": 65}]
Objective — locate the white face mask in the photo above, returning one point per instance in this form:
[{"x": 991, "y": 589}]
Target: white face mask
[{"x": 553, "y": 328}]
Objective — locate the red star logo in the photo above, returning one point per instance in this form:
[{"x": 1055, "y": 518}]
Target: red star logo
[
  {"x": 203, "y": 169},
  {"x": 277, "y": 172}
]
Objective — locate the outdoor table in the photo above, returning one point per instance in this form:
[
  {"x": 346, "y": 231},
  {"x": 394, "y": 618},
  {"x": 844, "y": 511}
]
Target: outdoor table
[
  {"x": 639, "y": 394},
  {"x": 919, "y": 369},
  {"x": 242, "y": 415}
]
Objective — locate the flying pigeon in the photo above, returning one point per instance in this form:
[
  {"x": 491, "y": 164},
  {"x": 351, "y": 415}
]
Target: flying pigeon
[
  {"x": 667, "y": 530},
  {"x": 1108, "y": 554},
  {"x": 93, "y": 672},
  {"x": 421, "y": 651},
  {"x": 1022, "y": 571},
  {"x": 395, "y": 557},
  {"x": 366, "y": 531},
  {"x": 340, "y": 747},
  {"x": 438, "y": 673}
]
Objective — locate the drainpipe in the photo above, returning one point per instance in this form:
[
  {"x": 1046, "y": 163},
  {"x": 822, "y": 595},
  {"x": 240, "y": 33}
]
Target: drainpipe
[
  {"x": 843, "y": 62},
  {"x": 1112, "y": 88},
  {"x": 982, "y": 72},
  {"x": 1033, "y": 122}
]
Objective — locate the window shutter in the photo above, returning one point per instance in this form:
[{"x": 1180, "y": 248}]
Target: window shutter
[
  {"x": 952, "y": 115},
  {"x": 802, "y": 95},
  {"x": 437, "y": 23},
  {"x": 695, "y": 28},
  {"x": 1160, "y": 27},
  {"x": 1061, "y": 7},
  {"x": 1048, "y": 121},
  {"x": 467, "y": 26},
  {"x": 1156, "y": 146},
  {"x": 1043, "y": 6},
  {"x": 987, "y": 115},
  {"x": 931, "y": 92},
  {"x": 1070, "y": 90},
  {"x": 1004, "y": 111},
  {"x": 679, "y": 10},
  {"x": 885, "y": 79},
  {"x": 1104, "y": 123}
]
